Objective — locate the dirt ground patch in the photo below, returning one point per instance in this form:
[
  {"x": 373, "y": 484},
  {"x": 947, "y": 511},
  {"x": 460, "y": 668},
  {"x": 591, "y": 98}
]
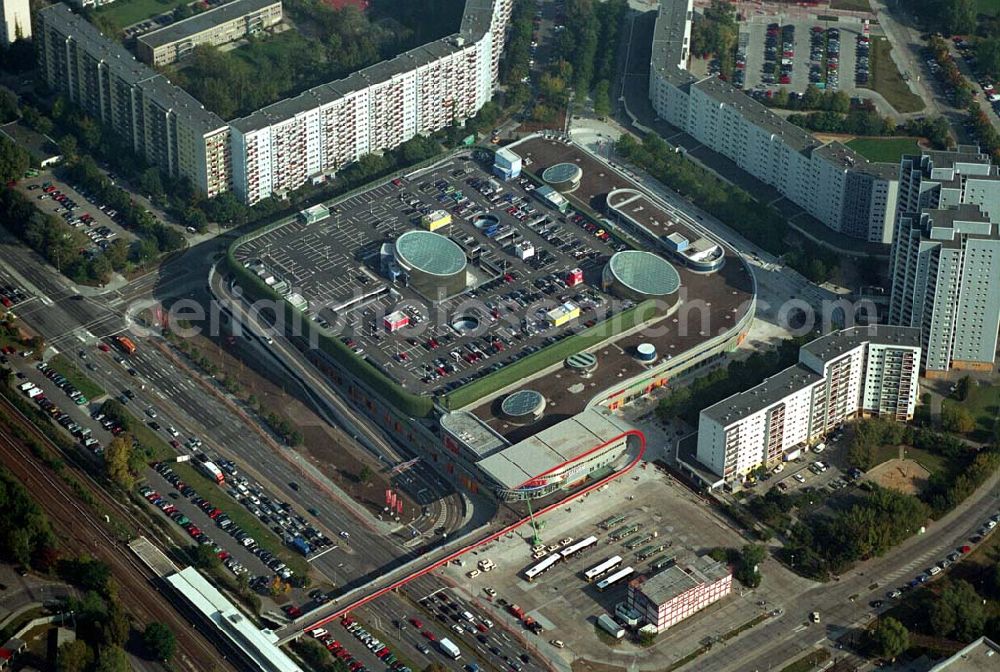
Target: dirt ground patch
[
  {"x": 904, "y": 476},
  {"x": 324, "y": 446}
]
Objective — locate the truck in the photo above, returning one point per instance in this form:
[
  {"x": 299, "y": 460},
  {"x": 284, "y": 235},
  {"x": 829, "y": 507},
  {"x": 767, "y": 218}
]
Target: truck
[
  {"x": 24, "y": 387},
  {"x": 793, "y": 455},
  {"x": 610, "y": 626},
  {"x": 301, "y": 545},
  {"x": 449, "y": 649},
  {"x": 33, "y": 392},
  {"x": 516, "y": 610},
  {"x": 212, "y": 471}
]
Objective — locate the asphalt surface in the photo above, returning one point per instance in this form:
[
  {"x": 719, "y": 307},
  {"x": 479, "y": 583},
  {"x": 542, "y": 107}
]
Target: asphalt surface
[{"x": 183, "y": 402}]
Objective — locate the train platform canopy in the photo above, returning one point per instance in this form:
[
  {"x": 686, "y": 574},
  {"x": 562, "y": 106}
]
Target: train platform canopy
[
  {"x": 552, "y": 448},
  {"x": 259, "y": 645}
]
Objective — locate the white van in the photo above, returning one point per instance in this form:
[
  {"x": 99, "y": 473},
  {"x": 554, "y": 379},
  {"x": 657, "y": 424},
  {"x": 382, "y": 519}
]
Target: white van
[
  {"x": 319, "y": 632},
  {"x": 468, "y": 616}
]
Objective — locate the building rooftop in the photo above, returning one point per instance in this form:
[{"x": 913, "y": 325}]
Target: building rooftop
[
  {"x": 797, "y": 138},
  {"x": 41, "y": 147},
  {"x": 676, "y": 580},
  {"x": 551, "y": 448},
  {"x": 259, "y": 645},
  {"x": 475, "y": 434},
  {"x": 199, "y": 23},
  {"x": 176, "y": 100},
  {"x": 982, "y": 655},
  {"x": 644, "y": 272},
  {"x": 846, "y": 158},
  {"x": 669, "y": 51},
  {"x": 825, "y": 348},
  {"x": 430, "y": 253},
  {"x": 836, "y": 343},
  {"x": 476, "y": 21}
]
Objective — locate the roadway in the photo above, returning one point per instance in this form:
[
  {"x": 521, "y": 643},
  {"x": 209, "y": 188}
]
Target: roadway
[{"x": 191, "y": 403}]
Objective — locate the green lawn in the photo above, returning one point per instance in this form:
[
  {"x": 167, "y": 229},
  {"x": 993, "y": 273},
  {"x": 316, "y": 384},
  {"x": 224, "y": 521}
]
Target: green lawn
[
  {"x": 852, "y": 5},
  {"x": 989, "y": 7},
  {"x": 886, "y": 79},
  {"x": 126, "y": 12},
  {"x": 77, "y": 379},
  {"x": 884, "y": 150},
  {"x": 929, "y": 461},
  {"x": 984, "y": 405}
]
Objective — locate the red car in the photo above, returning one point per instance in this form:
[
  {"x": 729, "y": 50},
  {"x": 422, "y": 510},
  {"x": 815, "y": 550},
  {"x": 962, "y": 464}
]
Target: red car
[
  {"x": 292, "y": 610},
  {"x": 103, "y": 347},
  {"x": 429, "y": 635},
  {"x": 417, "y": 623}
]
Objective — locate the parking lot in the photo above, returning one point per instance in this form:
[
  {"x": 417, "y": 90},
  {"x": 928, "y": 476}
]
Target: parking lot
[
  {"x": 793, "y": 54},
  {"x": 98, "y": 223},
  {"x": 335, "y": 265},
  {"x": 656, "y": 520}
]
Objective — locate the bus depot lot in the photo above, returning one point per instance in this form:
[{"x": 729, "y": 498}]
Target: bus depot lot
[
  {"x": 335, "y": 261},
  {"x": 567, "y": 606}
]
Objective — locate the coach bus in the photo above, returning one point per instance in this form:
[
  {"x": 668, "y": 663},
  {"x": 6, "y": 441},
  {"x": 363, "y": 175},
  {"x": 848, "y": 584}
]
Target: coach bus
[
  {"x": 545, "y": 565},
  {"x": 604, "y": 584},
  {"x": 597, "y": 571},
  {"x": 589, "y": 542}
]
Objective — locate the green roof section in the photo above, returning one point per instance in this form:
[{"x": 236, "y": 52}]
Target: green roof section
[
  {"x": 430, "y": 253},
  {"x": 645, "y": 272}
]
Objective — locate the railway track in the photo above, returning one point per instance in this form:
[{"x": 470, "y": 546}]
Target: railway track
[{"x": 80, "y": 529}]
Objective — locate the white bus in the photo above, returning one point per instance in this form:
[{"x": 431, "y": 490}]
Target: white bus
[
  {"x": 578, "y": 546},
  {"x": 604, "y": 584},
  {"x": 608, "y": 565},
  {"x": 545, "y": 565}
]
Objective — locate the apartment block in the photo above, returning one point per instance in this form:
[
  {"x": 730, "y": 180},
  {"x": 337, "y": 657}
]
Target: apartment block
[
  {"x": 160, "y": 121},
  {"x": 870, "y": 371},
  {"x": 834, "y": 184},
  {"x": 665, "y": 599},
  {"x": 310, "y": 137},
  {"x": 945, "y": 283},
  {"x": 226, "y": 23},
  {"x": 15, "y": 22}
]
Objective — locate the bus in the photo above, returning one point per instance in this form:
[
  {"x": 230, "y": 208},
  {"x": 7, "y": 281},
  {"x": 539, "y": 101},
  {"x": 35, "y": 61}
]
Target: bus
[
  {"x": 126, "y": 344},
  {"x": 545, "y": 565},
  {"x": 604, "y": 584},
  {"x": 598, "y": 571},
  {"x": 581, "y": 545}
]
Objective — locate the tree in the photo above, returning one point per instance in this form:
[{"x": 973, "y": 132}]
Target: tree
[
  {"x": 117, "y": 460},
  {"x": 68, "y": 147},
  {"x": 151, "y": 183},
  {"x": 956, "y": 418},
  {"x": 748, "y": 567},
  {"x": 8, "y": 106},
  {"x": 112, "y": 659},
  {"x": 602, "y": 98},
  {"x": 365, "y": 475},
  {"x": 891, "y": 638},
  {"x": 13, "y": 160},
  {"x": 159, "y": 641},
  {"x": 117, "y": 625},
  {"x": 958, "y": 612},
  {"x": 959, "y": 16},
  {"x": 962, "y": 388},
  {"x": 205, "y": 557},
  {"x": 74, "y": 656}
]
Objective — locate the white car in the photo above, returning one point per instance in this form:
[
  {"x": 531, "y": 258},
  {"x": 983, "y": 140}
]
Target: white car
[
  {"x": 172, "y": 432},
  {"x": 800, "y": 478}
]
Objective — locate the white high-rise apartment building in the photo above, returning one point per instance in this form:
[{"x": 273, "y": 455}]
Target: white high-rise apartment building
[
  {"x": 285, "y": 145},
  {"x": 16, "y": 20},
  {"x": 833, "y": 183},
  {"x": 311, "y": 136},
  {"x": 869, "y": 370}
]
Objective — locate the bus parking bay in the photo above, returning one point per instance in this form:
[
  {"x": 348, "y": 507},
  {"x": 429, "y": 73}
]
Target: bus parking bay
[{"x": 561, "y": 599}]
